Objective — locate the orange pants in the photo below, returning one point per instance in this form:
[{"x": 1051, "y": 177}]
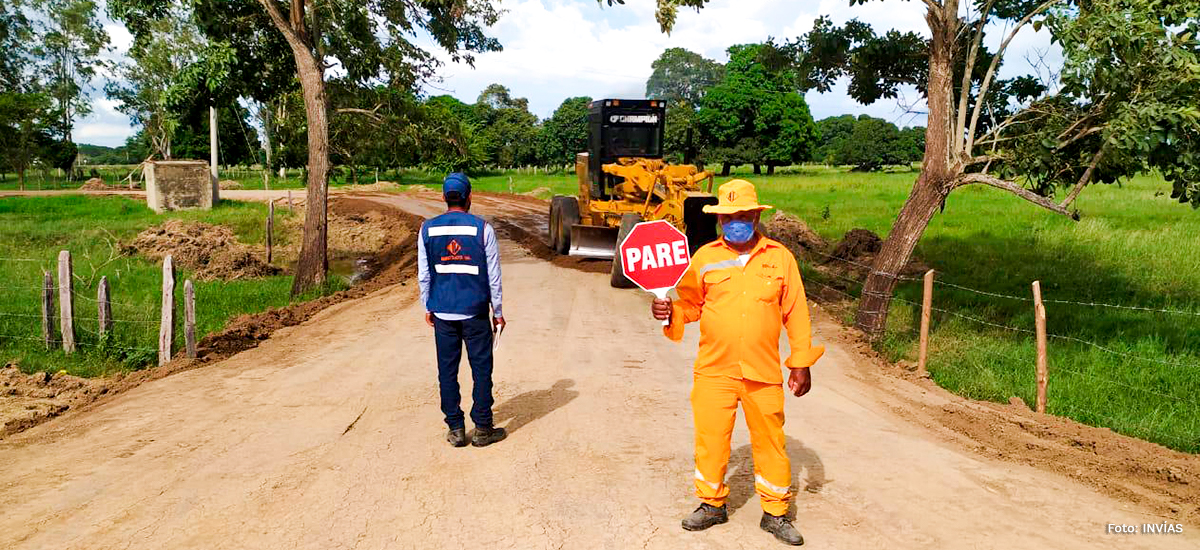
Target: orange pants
[{"x": 714, "y": 408}]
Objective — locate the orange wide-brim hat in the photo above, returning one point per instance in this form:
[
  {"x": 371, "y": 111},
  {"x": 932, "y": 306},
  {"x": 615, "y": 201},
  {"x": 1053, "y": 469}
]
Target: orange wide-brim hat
[{"x": 735, "y": 196}]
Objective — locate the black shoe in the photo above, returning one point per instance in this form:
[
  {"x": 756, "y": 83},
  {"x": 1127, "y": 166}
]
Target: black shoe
[
  {"x": 457, "y": 437},
  {"x": 486, "y": 436},
  {"x": 782, "y": 528},
  {"x": 705, "y": 516}
]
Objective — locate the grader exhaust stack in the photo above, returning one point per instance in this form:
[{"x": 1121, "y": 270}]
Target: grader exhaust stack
[{"x": 623, "y": 180}]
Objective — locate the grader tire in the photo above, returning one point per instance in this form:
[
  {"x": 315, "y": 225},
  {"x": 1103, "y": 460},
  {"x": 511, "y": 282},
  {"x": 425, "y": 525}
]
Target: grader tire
[
  {"x": 617, "y": 277},
  {"x": 568, "y": 215},
  {"x": 555, "y": 212}
]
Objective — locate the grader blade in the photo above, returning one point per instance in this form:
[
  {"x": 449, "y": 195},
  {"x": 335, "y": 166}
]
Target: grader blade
[{"x": 591, "y": 241}]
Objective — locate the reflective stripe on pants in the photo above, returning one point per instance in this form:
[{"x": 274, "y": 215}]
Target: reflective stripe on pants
[{"x": 714, "y": 409}]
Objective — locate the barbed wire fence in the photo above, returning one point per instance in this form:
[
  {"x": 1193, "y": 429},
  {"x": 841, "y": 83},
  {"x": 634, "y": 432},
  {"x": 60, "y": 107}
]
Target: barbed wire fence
[
  {"x": 1151, "y": 397},
  {"x": 60, "y": 313}
]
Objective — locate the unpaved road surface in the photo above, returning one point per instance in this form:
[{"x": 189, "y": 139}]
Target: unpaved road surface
[{"x": 328, "y": 435}]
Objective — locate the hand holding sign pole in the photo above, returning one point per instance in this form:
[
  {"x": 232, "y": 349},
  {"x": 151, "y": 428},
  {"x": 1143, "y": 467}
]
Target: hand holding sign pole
[{"x": 655, "y": 256}]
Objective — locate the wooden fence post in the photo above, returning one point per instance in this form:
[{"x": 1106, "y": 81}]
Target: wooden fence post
[
  {"x": 189, "y": 318},
  {"x": 926, "y": 311},
  {"x": 290, "y": 209},
  {"x": 270, "y": 227},
  {"x": 66, "y": 301},
  {"x": 166, "y": 328},
  {"x": 104, "y": 307},
  {"x": 48, "y": 309},
  {"x": 1039, "y": 315}
]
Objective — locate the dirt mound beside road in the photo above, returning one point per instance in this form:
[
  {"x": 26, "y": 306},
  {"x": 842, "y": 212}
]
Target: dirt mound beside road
[
  {"x": 211, "y": 251},
  {"x": 95, "y": 184},
  {"x": 28, "y": 399},
  {"x": 855, "y": 254},
  {"x": 393, "y": 262},
  {"x": 796, "y": 235}
]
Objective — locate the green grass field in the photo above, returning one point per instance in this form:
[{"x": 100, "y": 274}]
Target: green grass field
[
  {"x": 1133, "y": 247},
  {"x": 34, "y": 229}
]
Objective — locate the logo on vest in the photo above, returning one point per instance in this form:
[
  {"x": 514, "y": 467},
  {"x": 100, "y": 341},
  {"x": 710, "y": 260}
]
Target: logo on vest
[{"x": 454, "y": 248}]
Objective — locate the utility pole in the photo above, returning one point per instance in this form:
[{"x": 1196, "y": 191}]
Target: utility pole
[{"x": 212, "y": 141}]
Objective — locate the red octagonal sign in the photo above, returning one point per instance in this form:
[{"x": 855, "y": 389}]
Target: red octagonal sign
[{"x": 655, "y": 256}]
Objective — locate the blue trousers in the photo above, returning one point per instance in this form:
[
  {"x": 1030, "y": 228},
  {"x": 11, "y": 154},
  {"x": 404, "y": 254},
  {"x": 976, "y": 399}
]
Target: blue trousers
[{"x": 450, "y": 336}]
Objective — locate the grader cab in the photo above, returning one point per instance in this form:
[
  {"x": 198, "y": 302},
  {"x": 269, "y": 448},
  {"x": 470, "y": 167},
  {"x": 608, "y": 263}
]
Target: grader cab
[{"x": 623, "y": 180}]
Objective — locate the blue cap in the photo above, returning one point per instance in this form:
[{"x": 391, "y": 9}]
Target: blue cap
[{"x": 456, "y": 182}]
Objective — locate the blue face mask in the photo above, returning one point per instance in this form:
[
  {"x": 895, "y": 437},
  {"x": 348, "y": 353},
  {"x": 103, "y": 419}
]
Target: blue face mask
[{"x": 738, "y": 231}]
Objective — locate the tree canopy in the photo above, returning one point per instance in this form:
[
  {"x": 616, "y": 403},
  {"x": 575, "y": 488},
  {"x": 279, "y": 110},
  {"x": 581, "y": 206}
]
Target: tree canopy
[{"x": 754, "y": 116}]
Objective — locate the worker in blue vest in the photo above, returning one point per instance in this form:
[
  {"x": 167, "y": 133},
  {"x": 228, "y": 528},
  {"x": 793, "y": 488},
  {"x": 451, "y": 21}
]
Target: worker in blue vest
[{"x": 458, "y": 270}]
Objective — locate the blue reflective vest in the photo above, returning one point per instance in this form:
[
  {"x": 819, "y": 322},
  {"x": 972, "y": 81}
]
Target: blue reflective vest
[{"x": 457, "y": 264}]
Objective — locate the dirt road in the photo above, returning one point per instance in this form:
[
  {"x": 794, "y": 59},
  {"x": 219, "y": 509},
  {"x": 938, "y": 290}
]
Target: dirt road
[{"x": 328, "y": 435}]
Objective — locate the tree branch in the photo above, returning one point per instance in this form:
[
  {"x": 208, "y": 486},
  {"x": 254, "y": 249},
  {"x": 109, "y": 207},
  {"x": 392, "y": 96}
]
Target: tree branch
[
  {"x": 987, "y": 78},
  {"x": 967, "y": 179},
  {"x": 282, "y": 24},
  {"x": 1083, "y": 180},
  {"x": 372, "y": 114},
  {"x": 965, "y": 89}
]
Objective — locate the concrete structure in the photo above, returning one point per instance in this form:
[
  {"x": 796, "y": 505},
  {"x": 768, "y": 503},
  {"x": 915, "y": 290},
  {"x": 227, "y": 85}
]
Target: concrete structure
[{"x": 180, "y": 184}]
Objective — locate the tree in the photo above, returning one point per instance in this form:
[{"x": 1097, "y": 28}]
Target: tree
[
  {"x": 158, "y": 59},
  {"x": 872, "y": 144},
  {"x": 71, "y": 48},
  {"x": 565, "y": 133},
  {"x": 680, "y": 78},
  {"x": 1130, "y": 76},
  {"x": 753, "y": 116},
  {"x": 237, "y": 141},
  {"x": 832, "y": 132},
  {"x": 508, "y": 130},
  {"x": 370, "y": 41},
  {"x": 682, "y": 75},
  {"x": 448, "y": 137},
  {"x": 912, "y": 144},
  {"x": 25, "y": 119}
]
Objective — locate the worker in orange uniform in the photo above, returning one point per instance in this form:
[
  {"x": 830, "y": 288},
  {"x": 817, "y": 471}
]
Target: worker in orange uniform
[{"x": 743, "y": 288}]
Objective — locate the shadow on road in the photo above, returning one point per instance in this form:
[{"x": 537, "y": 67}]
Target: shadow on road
[
  {"x": 741, "y": 474},
  {"x": 524, "y": 408}
]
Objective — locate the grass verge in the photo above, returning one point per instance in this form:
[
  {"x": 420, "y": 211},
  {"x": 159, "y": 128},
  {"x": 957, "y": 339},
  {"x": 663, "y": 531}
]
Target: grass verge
[{"x": 34, "y": 229}]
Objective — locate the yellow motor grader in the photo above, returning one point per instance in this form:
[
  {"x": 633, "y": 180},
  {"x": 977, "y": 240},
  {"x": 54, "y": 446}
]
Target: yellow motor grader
[{"x": 623, "y": 180}]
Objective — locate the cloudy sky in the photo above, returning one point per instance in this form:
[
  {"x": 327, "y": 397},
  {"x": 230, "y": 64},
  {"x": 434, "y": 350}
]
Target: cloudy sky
[{"x": 555, "y": 49}]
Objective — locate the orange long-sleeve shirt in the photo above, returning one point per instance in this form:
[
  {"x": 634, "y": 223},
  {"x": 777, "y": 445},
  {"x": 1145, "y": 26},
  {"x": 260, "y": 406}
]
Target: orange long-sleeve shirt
[{"x": 742, "y": 308}]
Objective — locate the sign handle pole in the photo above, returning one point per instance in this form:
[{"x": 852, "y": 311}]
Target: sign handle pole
[{"x": 661, "y": 294}]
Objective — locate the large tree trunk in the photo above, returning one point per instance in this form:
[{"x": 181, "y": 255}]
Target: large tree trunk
[
  {"x": 770, "y": 169},
  {"x": 314, "y": 260},
  {"x": 757, "y": 169},
  {"x": 932, "y": 185},
  {"x": 724, "y": 168}
]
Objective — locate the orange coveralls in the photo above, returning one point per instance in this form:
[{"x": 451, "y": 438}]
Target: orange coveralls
[{"x": 741, "y": 309}]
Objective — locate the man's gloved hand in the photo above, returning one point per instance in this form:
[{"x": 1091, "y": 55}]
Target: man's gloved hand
[
  {"x": 429, "y": 318},
  {"x": 498, "y": 324},
  {"x": 661, "y": 309}
]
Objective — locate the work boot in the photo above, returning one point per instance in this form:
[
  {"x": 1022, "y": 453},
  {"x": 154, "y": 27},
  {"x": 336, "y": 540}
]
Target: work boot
[
  {"x": 705, "y": 516},
  {"x": 486, "y": 436},
  {"x": 457, "y": 437},
  {"x": 782, "y": 528}
]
